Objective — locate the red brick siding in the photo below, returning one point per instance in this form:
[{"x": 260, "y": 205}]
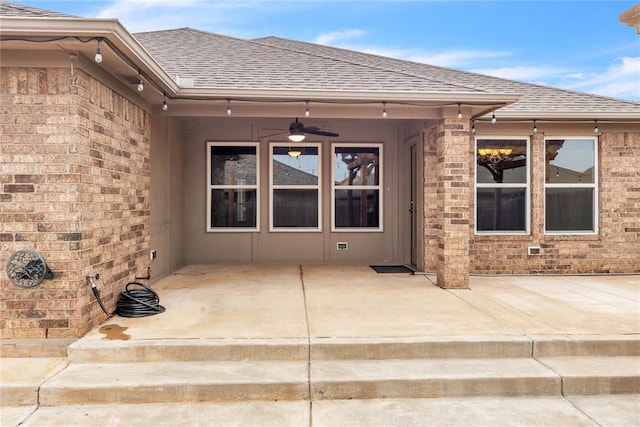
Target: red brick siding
[{"x": 74, "y": 186}]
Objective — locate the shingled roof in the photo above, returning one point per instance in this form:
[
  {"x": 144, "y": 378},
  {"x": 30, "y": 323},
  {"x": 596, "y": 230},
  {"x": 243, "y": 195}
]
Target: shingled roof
[
  {"x": 13, "y": 9},
  {"x": 217, "y": 61}
]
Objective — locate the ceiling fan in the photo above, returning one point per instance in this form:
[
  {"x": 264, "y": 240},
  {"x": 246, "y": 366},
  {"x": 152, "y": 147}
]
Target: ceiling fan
[{"x": 298, "y": 131}]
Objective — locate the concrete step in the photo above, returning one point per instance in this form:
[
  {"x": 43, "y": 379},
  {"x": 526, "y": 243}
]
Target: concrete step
[
  {"x": 183, "y": 350},
  {"x": 550, "y": 411},
  {"x": 596, "y": 375},
  {"x": 179, "y": 350},
  {"x": 436, "y": 347},
  {"x": 365, "y": 379},
  {"x": 21, "y": 377},
  {"x": 585, "y": 345},
  {"x": 177, "y": 382}
]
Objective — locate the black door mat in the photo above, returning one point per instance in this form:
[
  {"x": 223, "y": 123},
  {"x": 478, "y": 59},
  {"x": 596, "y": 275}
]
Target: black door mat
[{"x": 391, "y": 269}]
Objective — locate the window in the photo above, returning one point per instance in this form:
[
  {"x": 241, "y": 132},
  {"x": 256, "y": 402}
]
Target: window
[
  {"x": 502, "y": 186},
  {"x": 232, "y": 187},
  {"x": 570, "y": 185},
  {"x": 295, "y": 188},
  {"x": 357, "y": 187}
]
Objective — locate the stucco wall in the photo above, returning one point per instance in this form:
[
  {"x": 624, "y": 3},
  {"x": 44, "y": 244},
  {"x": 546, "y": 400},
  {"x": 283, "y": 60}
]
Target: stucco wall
[
  {"x": 264, "y": 246},
  {"x": 74, "y": 186}
]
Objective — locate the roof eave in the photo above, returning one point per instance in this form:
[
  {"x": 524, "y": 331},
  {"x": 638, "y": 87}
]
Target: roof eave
[
  {"x": 372, "y": 96},
  {"x": 110, "y": 29},
  {"x": 566, "y": 115}
]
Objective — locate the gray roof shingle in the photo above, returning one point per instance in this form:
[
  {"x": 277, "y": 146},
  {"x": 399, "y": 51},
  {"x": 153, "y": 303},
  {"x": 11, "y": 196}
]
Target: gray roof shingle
[
  {"x": 13, "y": 9},
  {"x": 217, "y": 61},
  {"x": 534, "y": 97},
  {"x": 223, "y": 62}
]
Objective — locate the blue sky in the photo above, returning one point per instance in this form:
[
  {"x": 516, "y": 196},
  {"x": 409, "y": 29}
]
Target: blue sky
[{"x": 578, "y": 45}]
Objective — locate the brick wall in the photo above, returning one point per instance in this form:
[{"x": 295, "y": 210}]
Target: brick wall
[
  {"x": 615, "y": 249},
  {"x": 454, "y": 189},
  {"x": 74, "y": 185}
]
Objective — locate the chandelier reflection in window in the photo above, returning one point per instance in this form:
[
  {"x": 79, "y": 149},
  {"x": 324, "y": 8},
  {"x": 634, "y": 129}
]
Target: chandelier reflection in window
[{"x": 494, "y": 155}]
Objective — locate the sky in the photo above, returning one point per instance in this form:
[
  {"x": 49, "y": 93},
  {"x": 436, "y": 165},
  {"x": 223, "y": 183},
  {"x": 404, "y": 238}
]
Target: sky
[{"x": 577, "y": 45}]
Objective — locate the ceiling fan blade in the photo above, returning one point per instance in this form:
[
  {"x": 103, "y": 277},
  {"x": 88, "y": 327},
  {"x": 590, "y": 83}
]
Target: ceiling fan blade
[
  {"x": 274, "y": 134},
  {"x": 316, "y": 131}
]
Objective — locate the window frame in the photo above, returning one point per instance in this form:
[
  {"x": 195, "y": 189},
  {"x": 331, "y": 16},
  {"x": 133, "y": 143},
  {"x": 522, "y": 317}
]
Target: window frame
[
  {"x": 379, "y": 188},
  {"x": 594, "y": 185},
  {"x": 526, "y": 186},
  {"x": 210, "y": 187},
  {"x": 273, "y": 187}
]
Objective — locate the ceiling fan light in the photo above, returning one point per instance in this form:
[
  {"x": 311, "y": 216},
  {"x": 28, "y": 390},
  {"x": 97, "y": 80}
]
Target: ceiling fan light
[{"x": 296, "y": 137}]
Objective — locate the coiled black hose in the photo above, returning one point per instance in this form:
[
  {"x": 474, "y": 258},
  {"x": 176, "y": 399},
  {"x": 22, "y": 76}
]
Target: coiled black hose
[{"x": 140, "y": 302}]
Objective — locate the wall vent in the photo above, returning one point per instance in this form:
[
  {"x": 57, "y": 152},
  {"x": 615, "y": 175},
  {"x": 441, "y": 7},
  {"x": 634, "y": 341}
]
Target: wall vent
[
  {"x": 533, "y": 250},
  {"x": 343, "y": 246}
]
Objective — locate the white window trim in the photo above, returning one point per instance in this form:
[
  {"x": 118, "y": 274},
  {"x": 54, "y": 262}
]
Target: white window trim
[
  {"x": 273, "y": 187},
  {"x": 595, "y": 185},
  {"x": 379, "y": 187},
  {"x": 527, "y": 187},
  {"x": 210, "y": 187}
]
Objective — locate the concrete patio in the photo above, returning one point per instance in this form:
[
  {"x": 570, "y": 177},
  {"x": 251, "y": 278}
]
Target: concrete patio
[{"x": 321, "y": 323}]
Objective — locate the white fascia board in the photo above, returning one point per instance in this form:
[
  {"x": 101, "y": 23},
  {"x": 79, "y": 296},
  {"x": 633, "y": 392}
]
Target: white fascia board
[
  {"x": 541, "y": 116},
  {"x": 352, "y": 96},
  {"x": 110, "y": 29}
]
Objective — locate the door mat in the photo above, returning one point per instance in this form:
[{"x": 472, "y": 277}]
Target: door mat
[{"x": 391, "y": 269}]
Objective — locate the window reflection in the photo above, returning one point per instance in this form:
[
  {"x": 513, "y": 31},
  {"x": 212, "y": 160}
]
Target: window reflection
[{"x": 570, "y": 161}]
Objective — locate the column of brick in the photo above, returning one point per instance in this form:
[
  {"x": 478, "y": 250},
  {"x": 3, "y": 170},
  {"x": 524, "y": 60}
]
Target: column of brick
[
  {"x": 36, "y": 188},
  {"x": 454, "y": 202}
]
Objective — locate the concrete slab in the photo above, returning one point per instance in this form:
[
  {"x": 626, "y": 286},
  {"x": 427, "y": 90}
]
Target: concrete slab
[
  {"x": 237, "y": 301},
  {"x": 610, "y": 410},
  {"x": 248, "y": 414},
  {"x": 561, "y": 304},
  {"x": 463, "y": 412},
  {"x": 354, "y": 301},
  {"x": 20, "y": 378},
  {"x": 11, "y": 416}
]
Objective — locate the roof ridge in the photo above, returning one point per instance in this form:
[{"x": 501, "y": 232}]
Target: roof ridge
[
  {"x": 415, "y": 75},
  {"x": 470, "y": 73}
]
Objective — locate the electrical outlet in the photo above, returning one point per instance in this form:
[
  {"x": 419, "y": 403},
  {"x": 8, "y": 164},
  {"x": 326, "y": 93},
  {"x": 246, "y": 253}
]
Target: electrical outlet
[{"x": 153, "y": 254}]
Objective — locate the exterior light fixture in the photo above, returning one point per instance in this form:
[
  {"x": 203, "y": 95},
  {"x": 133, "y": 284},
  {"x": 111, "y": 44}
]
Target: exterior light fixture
[
  {"x": 459, "y": 111},
  {"x": 384, "y": 110},
  {"x": 228, "y": 107},
  {"x": 596, "y": 128},
  {"x": 140, "y": 82},
  {"x": 493, "y": 118},
  {"x": 535, "y": 127},
  {"x": 165, "y": 107},
  {"x": 307, "y": 112},
  {"x": 98, "y": 57}
]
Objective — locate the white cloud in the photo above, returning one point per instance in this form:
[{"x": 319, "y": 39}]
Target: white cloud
[
  {"x": 620, "y": 80},
  {"x": 335, "y": 36},
  {"x": 147, "y": 15}
]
